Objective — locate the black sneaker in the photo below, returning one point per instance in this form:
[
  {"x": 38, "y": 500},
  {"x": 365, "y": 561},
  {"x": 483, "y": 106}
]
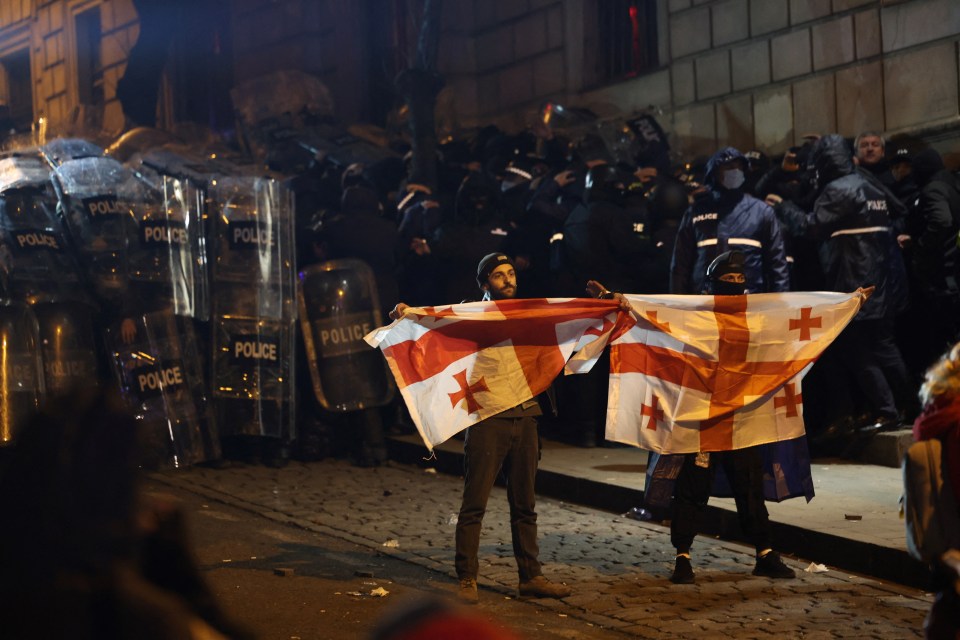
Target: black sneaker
[
  {"x": 682, "y": 571},
  {"x": 771, "y": 566}
]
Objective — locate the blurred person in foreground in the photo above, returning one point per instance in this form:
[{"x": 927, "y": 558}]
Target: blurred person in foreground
[
  {"x": 436, "y": 619},
  {"x": 84, "y": 554},
  {"x": 940, "y": 419}
]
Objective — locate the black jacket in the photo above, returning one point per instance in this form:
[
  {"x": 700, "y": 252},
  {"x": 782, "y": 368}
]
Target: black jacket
[
  {"x": 935, "y": 227},
  {"x": 851, "y": 220}
]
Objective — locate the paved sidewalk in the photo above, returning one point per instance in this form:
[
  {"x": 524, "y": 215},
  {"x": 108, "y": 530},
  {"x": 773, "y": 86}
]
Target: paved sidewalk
[
  {"x": 852, "y": 523},
  {"x": 618, "y": 567}
]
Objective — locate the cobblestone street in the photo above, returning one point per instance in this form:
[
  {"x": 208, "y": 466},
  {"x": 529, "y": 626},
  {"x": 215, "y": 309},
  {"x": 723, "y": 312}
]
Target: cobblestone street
[{"x": 618, "y": 568}]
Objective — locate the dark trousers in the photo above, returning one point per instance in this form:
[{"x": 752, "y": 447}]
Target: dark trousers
[
  {"x": 744, "y": 469},
  {"x": 866, "y": 349},
  {"x": 513, "y": 445}
]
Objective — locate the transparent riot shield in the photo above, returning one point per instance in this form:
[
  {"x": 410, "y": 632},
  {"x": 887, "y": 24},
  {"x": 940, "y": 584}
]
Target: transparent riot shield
[
  {"x": 62, "y": 150},
  {"x": 36, "y": 260},
  {"x": 38, "y": 267},
  {"x": 338, "y": 306},
  {"x": 201, "y": 170},
  {"x": 254, "y": 312},
  {"x": 141, "y": 247},
  {"x": 161, "y": 379},
  {"x": 99, "y": 199},
  {"x": 21, "y": 370},
  {"x": 171, "y": 247}
]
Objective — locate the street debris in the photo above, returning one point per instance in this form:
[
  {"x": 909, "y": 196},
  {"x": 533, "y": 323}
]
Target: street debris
[
  {"x": 453, "y": 519},
  {"x": 430, "y": 470},
  {"x": 814, "y": 567},
  {"x": 283, "y": 572},
  {"x": 379, "y": 592},
  {"x": 392, "y": 544},
  {"x": 852, "y": 516},
  {"x": 638, "y": 513}
]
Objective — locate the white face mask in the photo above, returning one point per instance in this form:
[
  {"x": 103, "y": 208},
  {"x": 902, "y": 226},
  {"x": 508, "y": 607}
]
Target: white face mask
[{"x": 732, "y": 179}]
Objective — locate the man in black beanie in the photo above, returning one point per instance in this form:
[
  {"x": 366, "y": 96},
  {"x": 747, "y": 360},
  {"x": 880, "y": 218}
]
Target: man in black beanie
[{"x": 509, "y": 442}]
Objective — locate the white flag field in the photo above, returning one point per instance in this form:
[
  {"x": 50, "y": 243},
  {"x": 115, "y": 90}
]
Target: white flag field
[{"x": 687, "y": 373}]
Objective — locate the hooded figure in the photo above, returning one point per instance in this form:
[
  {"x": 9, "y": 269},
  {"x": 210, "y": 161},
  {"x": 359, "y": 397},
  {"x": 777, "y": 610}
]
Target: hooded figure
[
  {"x": 726, "y": 218},
  {"x": 937, "y": 221},
  {"x": 935, "y": 257}
]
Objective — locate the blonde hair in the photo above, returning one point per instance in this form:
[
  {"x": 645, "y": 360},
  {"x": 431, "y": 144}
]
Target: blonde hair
[{"x": 943, "y": 378}]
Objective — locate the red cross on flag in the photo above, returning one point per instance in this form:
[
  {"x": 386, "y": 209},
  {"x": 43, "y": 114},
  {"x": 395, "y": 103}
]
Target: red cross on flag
[
  {"x": 459, "y": 364},
  {"x": 724, "y": 371}
]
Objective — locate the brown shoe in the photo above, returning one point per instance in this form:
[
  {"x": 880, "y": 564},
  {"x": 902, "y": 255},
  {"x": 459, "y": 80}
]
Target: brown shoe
[
  {"x": 467, "y": 592},
  {"x": 540, "y": 587}
]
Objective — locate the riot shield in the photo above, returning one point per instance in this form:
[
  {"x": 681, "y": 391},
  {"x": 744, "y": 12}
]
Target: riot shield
[
  {"x": 68, "y": 345},
  {"x": 187, "y": 164},
  {"x": 21, "y": 371},
  {"x": 161, "y": 379},
  {"x": 338, "y": 306},
  {"x": 63, "y": 150},
  {"x": 37, "y": 262},
  {"x": 254, "y": 312},
  {"x": 140, "y": 247},
  {"x": 170, "y": 249},
  {"x": 98, "y": 198}
]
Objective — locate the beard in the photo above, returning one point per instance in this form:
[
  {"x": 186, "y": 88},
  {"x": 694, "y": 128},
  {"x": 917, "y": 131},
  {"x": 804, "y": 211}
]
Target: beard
[{"x": 504, "y": 293}]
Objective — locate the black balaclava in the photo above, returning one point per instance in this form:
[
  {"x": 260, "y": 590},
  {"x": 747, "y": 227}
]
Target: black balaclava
[{"x": 726, "y": 275}]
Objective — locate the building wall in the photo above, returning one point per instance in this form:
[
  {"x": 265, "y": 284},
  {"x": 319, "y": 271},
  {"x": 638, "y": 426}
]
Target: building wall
[
  {"x": 751, "y": 73},
  {"x": 296, "y": 34},
  {"x": 503, "y": 58},
  {"x": 47, "y": 28}
]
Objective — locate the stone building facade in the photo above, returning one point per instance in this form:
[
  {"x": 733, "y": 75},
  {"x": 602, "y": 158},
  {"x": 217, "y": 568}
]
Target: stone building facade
[
  {"x": 751, "y": 73},
  {"x": 61, "y": 60}
]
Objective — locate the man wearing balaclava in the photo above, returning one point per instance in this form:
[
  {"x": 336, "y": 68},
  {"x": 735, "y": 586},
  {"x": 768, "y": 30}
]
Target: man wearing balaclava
[
  {"x": 725, "y": 218},
  {"x": 725, "y": 276}
]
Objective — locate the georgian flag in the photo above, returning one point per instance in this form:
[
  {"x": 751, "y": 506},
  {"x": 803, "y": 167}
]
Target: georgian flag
[
  {"x": 458, "y": 364},
  {"x": 715, "y": 373}
]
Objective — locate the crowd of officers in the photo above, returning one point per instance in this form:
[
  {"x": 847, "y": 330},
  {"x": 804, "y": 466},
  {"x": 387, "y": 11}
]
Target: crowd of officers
[{"x": 828, "y": 215}]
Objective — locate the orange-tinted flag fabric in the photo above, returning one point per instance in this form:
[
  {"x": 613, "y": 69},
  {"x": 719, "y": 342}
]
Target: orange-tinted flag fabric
[
  {"x": 458, "y": 364},
  {"x": 716, "y": 373}
]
